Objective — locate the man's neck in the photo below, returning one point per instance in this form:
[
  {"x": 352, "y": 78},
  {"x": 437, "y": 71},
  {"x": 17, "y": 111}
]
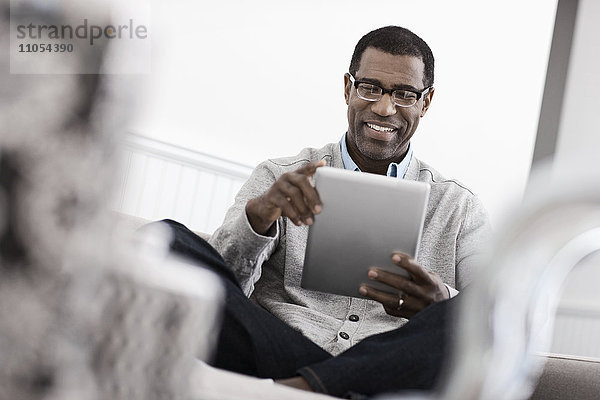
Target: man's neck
[{"x": 366, "y": 164}]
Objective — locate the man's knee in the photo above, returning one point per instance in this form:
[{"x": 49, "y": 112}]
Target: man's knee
[{"x": 186, "y": 244}]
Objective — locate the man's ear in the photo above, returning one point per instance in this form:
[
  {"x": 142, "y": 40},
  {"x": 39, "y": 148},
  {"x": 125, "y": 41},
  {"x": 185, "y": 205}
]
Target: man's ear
[
  {"x": 347, "y": 87},
  {"x": 427, "y": 101}
]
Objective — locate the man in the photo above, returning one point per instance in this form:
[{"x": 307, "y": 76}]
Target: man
[{"x": 347, "y": 344}]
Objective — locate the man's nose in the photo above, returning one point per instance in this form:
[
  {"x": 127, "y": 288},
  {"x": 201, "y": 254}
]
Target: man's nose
[{"x": 385, "y": 106}]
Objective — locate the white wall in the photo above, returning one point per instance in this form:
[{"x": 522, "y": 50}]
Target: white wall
[
  {"x": 579, "y": 139},
  {"x": 208, "y": 56}
]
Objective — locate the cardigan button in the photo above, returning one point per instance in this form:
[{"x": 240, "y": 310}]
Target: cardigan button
[
  {"x": 344, "y": 335},
  {"x": 353, "y": 318}
]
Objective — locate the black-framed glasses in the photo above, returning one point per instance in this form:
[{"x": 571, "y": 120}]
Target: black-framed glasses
[{"x": 401, "y": 97}]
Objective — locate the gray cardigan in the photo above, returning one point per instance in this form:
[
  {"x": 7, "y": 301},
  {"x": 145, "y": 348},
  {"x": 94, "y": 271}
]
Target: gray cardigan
[{"x": 269, "y": 267}]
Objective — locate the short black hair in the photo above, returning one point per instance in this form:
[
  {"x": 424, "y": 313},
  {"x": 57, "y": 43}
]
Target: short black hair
[{"x": 397, "y": 41}]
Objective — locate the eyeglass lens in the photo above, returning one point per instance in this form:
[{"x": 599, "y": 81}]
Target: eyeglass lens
[{"x": 402, "y": 98}]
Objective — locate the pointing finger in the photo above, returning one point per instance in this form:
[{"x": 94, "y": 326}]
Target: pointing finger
[{"x": 310, "y": 168}]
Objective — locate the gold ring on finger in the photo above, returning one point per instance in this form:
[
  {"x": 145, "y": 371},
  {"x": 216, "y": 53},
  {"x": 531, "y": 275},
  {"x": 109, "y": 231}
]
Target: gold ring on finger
[{"x": 400, "y": 303}]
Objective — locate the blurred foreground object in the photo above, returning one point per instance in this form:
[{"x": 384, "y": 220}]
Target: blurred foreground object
[
  {"x": 508, "y": 314},
  {"x": 85, "y": 311}
]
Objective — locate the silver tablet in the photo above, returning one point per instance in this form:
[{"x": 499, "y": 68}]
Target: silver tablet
[{"x": 365, "y": 219}]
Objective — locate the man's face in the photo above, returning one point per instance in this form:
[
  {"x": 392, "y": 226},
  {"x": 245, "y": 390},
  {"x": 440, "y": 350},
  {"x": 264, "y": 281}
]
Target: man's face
[{"x": 381, "y": 130}]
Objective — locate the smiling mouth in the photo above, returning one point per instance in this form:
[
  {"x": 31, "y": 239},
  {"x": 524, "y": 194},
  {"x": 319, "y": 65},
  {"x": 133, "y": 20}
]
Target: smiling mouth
[{"x": 380, "y": 128}]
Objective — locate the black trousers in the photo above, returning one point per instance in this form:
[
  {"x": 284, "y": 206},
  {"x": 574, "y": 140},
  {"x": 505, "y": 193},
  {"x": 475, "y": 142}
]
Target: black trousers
[{"x": 254, "y": 342}]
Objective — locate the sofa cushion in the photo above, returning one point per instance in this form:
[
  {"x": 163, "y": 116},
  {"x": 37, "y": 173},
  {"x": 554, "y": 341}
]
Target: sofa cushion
[{"x": 566, "y": 377}]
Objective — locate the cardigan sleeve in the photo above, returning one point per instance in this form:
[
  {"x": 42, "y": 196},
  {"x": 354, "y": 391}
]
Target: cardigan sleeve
[
  {"x": 243, "y": 249},
  {"x": 473, "y": 239}
]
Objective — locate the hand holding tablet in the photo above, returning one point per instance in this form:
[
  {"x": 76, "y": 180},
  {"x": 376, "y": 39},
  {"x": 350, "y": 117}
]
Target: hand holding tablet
[
  {"x": 423, "y": 289},
  {"x": 365, "y": 220}
]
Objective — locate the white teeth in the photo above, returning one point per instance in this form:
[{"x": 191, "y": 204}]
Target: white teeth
[{"x": 379, "y": 128}]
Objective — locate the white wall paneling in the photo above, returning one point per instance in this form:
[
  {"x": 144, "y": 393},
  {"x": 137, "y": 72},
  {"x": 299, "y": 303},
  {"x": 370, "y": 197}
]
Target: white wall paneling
[{"x": 160, "y": 180}]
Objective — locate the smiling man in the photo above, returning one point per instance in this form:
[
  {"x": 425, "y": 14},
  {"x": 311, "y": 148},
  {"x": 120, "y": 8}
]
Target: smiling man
[
  {"x": 382, "y": 121},
  {"x": 324, "y": 342}
]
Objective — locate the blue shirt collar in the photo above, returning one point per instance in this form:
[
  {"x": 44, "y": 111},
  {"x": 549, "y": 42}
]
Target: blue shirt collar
[{"x": 396, "y": 170}]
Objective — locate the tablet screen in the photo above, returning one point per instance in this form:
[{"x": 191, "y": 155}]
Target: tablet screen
[{"x": 364, "y": 220}]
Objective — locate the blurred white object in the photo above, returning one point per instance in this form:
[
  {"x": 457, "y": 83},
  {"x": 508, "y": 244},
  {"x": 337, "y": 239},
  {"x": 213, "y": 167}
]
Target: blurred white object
[
  {"x": 507, "y": 315},
  {"x": 210, "y": 383},
  {"x": 85, "y": 312},
  {"x": 151, "y": 316}
]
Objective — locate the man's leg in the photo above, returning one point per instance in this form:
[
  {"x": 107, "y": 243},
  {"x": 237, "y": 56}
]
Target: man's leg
[
  {"x": 410, "y": 357},
  {"x": 252, "y": 340}
]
